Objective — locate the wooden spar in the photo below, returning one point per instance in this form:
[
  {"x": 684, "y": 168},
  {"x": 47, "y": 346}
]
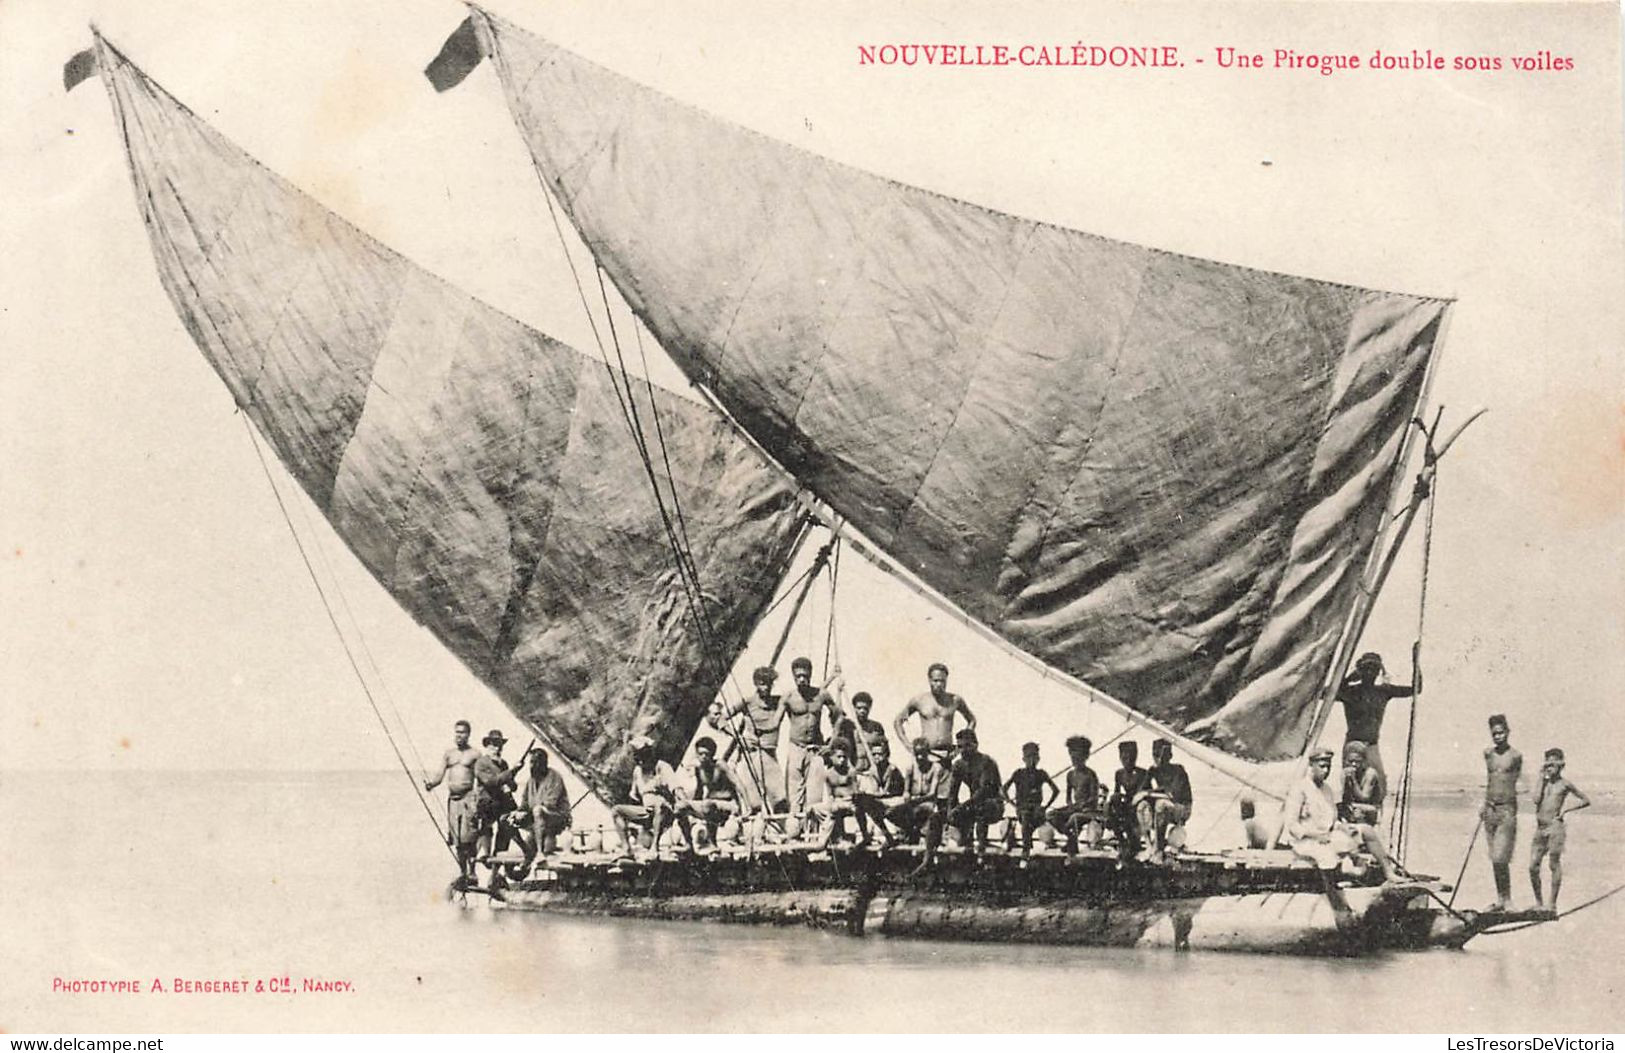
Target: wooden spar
[
  {"x": 795, "y": 609},
  {"x": 831, "y": 520},
  {"x": 1420, "y": 493}
]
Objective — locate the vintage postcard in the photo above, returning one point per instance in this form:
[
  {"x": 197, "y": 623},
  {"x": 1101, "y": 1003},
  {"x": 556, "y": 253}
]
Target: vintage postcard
[{"x": 934, "y": 517}]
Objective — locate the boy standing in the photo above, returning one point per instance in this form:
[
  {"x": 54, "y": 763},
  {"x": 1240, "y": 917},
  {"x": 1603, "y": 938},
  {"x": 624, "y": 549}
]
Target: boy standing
[
  {"x": 1030, "y": 800},
  {"x": 1550, "y": 797}
]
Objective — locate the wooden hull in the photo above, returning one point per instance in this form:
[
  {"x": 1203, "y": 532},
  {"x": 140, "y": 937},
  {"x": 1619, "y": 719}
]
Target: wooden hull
[{"x": 1287, "y": 910}]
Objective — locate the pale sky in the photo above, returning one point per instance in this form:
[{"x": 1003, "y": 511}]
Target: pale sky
[{"x": 157, "y": 615}]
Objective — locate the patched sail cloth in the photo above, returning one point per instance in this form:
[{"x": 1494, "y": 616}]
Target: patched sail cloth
[
  {"x": 480, "y": 470},
  {"x": 1161, "y": 475}
]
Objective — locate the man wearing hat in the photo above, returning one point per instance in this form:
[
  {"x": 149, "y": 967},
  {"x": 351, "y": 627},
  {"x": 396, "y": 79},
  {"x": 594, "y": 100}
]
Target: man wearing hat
[
  {"x": 1313, "y": 829},
  {"x": 457, "y": 770},
  {"x": 496, "y": 781},
  {"x": 761, "y": 778},
  {"x": 1365, "y": 693}
]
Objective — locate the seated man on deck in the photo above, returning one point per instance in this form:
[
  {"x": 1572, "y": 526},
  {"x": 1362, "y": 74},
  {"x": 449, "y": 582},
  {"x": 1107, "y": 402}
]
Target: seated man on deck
[
  {"x": 1032, "y": 804},
  {"x": 1128, "y": 786},
  {"x": 881, "y": 789},
  {"x": 1164, "y": 811},
  {"x": 1362, "y": 786},
  {"x": 1313, "y": 829},
  {"x": 924, "y": 789},
  {"x": 837, "y": 801},
  {"x": 1082, "y": 808},
  {"x": 979, "y": 773},
  {"x": 652, "y": 793},
  {"x": 544, "y": 809},
  {"x": 712, "y": 798}
]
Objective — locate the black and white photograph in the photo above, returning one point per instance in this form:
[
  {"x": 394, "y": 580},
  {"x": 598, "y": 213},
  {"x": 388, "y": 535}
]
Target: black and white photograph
[{"x": 811, "y": 518}]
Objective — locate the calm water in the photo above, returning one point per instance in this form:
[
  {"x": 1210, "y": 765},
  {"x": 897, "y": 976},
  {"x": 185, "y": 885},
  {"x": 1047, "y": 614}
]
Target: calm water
[{"x": 338, "y": 877}]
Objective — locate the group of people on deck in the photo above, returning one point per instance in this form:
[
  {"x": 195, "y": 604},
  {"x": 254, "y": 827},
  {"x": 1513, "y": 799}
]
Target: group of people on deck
[
  {"x": 846, "y": 774},
  {"x": 827, "y": 780},
  {"x": 486, "y": 809},
  {"x": 1322, "y": 825}
]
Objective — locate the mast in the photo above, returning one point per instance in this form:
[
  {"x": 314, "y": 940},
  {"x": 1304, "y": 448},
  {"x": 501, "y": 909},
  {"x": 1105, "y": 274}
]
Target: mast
[
  {"x": 1158, "y": 475},
  {"x": 477, "y": 468}
]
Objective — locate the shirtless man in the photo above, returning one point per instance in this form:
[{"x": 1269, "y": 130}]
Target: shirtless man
[
  {"x": 1502, "y": 766},
  {"x": 1082, "y": 809},
  {"x": 1550, "y": 796},
  {"x": 923, "y": 804},
  {"x": 1168, "y": 806},
  {"x": 1365, "y": 694},
  {"x": 881, "y": 788},
  {"x": 1362, "y": 786},
  {"x": 712, "y": 799},
  {"x": 805, "y": 708},
  {"x": 1032, "y": 804},
  {"x": 840, "y": 787},
  {"x": 864, "y": 735},
  {"x": 650, "y": 798},
  {"x": 1129, "y": 784},
  {"x": 936, "y": 709},
  {"x": 978, "y": 773},
  {"x": 759, "y": 742},
  {"x": 457, "y": 770}
]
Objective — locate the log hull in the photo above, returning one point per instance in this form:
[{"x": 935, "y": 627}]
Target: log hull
[{"x": 1075, "y": 906}]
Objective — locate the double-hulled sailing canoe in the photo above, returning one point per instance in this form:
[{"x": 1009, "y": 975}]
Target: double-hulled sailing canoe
[{"x": 1163, "y": 479}]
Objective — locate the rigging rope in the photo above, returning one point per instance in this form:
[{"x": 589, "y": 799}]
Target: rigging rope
[
  {"x": 1402, "y": 809},
  {"x": 349, "y": 654},
  {"x": 361, "y": 637},
  {"x": 1220, "y": 817},
  {"x": 686, "y": 570}
]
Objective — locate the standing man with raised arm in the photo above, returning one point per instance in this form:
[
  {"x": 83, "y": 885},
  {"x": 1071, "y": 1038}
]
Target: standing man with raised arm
[
  {"x": 1550, "y": 833},
  {"x": 936, "y": 709},
  {"x": 1502, "y": 766},
  {"x": 803, "y": 769},
  {"x": 759, "y": 741},
  {"x": 1365, "y": 693}
]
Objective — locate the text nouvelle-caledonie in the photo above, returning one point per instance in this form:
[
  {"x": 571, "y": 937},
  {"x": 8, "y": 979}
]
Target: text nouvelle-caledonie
[{"x": 1164, "y": 56}]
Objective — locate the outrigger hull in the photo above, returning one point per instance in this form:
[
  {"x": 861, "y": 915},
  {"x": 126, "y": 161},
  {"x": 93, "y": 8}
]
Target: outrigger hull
[{"x": 1085, "y": 901}]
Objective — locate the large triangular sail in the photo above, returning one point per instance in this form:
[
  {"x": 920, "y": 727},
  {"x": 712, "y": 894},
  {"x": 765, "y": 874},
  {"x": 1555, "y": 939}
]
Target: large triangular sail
[
  {"x": 1160, "y": 475},
  {"x": 479, "y": 469}
]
